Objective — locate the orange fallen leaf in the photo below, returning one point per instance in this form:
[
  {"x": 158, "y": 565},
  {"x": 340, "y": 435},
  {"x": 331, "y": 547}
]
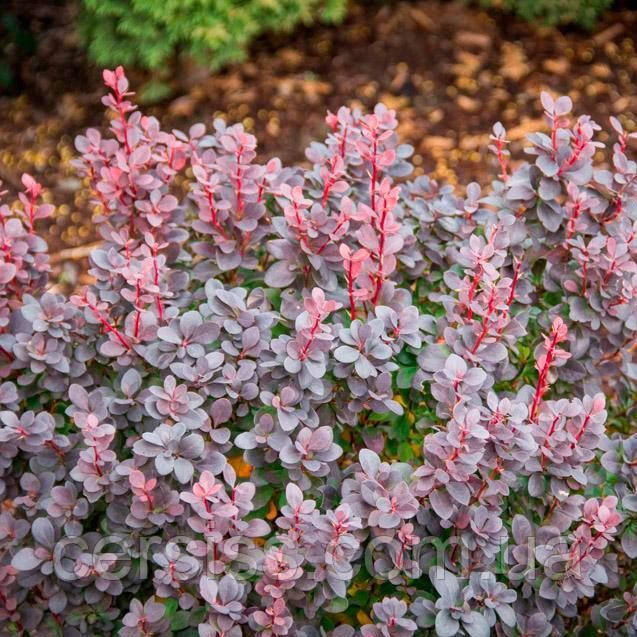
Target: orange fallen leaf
[
  {"x": 243, "y": 469},
  {"x": 271, "y": 514}
]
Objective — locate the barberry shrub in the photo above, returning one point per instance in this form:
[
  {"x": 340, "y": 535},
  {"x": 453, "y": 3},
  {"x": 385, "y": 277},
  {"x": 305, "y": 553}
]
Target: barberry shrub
[{"x": 325, "y": 401}]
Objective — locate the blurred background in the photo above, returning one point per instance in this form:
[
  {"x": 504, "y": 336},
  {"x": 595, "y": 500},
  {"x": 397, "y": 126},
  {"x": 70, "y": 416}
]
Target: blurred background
[{"x": 450, "y": 69}]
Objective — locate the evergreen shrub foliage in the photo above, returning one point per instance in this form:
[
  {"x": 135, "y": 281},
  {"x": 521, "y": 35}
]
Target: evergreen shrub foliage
[{"x": 147, "y": 34}]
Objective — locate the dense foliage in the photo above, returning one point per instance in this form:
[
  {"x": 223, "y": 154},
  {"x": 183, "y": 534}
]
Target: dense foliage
[
  {"x": 552, "y": 12},
  {"x": 330, "y": 401},
  {"x": 147, "y": 34}
]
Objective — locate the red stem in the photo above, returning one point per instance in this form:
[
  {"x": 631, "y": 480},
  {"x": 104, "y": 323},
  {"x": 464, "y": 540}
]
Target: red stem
[
  {"x": 107, "y": 326},
  {"x": 339, "y": 225},
  {"x": 570, "y": 227},
  {"x": 550, "y": 432},
  {"x": 350, "y": 290},
  {"x": 138, "y": 293},
  {"x": 239, "y": 184},
  {"x": 158, "y": 302},
  {"x": 380, "y": 275},
  {"x": 343, "y": 142},
  {"x": 374, "y": 173},
  {"x": 472, "y": 290},
  {"x": 541, "y": 383},
  {"x": 575, "y": 153},
  {"x": 329, "y": 183},
  {"x": 96, "y": 460},
  {"x": 122, "y": 119},
  {"x": 504, "y": 174},
  {"x": 485, "y": 321},
  {"x": 213, "y": 213},
  {"x": 313, "y": 330}
]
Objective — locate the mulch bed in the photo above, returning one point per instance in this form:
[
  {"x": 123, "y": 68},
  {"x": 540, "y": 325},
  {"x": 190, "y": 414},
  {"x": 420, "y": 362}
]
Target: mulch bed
[{"x": 450, "y": 70}]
